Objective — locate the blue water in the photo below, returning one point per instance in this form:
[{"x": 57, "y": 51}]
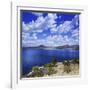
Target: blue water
[{"x": 38, "y": 57}]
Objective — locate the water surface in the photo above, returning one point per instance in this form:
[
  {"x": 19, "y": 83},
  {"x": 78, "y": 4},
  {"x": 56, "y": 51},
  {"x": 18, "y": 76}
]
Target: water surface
[{"x": 38, "y": 57}]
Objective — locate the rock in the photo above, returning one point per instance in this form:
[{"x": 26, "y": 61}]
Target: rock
[{"x": 31, "y": 74}]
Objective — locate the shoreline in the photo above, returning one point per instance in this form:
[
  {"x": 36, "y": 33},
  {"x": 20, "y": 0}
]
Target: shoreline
[{"x": 59, "y": 70}]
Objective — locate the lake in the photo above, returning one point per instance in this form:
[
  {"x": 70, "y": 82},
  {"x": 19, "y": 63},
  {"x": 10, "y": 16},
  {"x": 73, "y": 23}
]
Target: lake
[{"x": 38, "y": 57}]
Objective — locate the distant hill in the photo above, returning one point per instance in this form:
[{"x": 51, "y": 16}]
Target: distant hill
[
  {"x": 64, "y": 46},
  {"x": 42, "y": 46},
  {"x": 75, "y": 47}
]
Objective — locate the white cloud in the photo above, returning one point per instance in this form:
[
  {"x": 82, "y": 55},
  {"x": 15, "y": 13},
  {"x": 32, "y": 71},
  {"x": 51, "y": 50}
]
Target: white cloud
[
  {"x": 48, "y": 22},
  {"x": 35, "y": 36},
  {"x": 42, "y": 23},
  {"x": 75, "y": 21},
  {"x": 74, "y": 41},
  {"x": 52, "y": 16},
  {"x": 25, "y": 27},
  {"x": 37, "y": 13},
  {"x": 65, "y": 27},
  {"x": 75, "y": 33},
  {"x": 56, "y": 40},
  {"x": 53, "y": 30}
]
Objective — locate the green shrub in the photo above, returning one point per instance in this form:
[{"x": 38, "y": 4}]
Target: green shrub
[
  {"x": 54, "y": 62},
  {"x": 51, "y": 71},
  {"x": 66, "y": 62},
  {"x": 49, "y": 65},
  {"x": 75, "y": 61},
  {"x": 67, "y": 67},
  {"x": 37, "y": 71},
  {"x": 50, "y": 68},
  {"x": 35, "y": 68}
]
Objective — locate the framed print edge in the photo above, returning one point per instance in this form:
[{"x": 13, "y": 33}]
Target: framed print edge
[{"x": 16, "y": 80}]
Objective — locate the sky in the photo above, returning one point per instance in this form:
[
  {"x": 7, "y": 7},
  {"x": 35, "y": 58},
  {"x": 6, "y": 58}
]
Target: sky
[{"x": 49, "y": 28}]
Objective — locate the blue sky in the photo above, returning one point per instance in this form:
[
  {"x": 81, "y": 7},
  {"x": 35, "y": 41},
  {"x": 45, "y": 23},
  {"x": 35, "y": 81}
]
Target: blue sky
[{"x": 49, "y": 29}]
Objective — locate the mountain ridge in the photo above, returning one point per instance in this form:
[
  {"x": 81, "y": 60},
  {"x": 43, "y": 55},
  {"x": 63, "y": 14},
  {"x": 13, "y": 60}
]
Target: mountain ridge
[{"x": 57, "y": 47}]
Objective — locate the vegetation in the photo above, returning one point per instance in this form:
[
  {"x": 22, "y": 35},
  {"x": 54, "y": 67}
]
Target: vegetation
[
  {"x": 75, "y": 61},
  {"x": 54, "y": 62},
  {"x": 67, "y": 64},
  {"x": 37, "y": 71},
  {"x": 48, "y": 65},
  {"x": 67, "y": 67},
  {"x": 51, "y": 71},
  {"x": 35, "y": 68},
  {"x": 49, "y": 68}
]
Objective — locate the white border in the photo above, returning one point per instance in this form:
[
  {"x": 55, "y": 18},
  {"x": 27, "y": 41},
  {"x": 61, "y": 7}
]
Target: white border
[
  {"x": 15, "y": 62},
  {"x": 43, "y": 9}
]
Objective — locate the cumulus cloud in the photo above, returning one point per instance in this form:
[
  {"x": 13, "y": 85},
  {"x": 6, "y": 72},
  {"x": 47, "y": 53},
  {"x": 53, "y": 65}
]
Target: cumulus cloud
[
  {"x": 42, "y": 23},
  {"x": 75, "y": 21},
  {"x": 65, "y": 27},
  {"x": 37, "y": 13},
  {"x": 58, "y": 33},
  {"x": 75, "y": 33},
  {"x": 25, "y": 27}
]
